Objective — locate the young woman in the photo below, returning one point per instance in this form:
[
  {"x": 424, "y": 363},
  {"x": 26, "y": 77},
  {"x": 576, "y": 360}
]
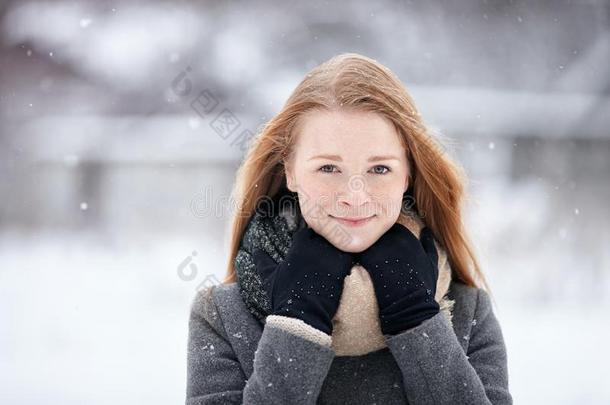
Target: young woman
[{"x": 351, "y": 278}]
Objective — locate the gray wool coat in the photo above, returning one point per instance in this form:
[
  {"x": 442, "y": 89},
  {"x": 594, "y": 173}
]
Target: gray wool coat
[{"x": 235, "y": 359}]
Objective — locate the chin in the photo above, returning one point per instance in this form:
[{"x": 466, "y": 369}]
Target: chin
[
  {"x": 356, "y": 249},
  {"x": 356, "y": 245}
]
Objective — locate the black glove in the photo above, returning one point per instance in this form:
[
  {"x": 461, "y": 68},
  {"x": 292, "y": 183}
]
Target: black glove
[
  {"x": 404, "y": 272},
  {"x": 308, "y": 284}
]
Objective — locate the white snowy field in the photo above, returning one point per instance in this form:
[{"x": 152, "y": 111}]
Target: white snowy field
[
  {"x": 89, "y": 319},
  {"x": 86, "y": 320}
]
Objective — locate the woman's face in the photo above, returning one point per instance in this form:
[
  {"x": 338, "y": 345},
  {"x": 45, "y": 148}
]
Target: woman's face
[{"x": 348, "y": 164}]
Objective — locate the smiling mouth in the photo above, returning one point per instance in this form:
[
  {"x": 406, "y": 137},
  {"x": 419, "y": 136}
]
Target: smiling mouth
[{"x": 353, "y": 222}]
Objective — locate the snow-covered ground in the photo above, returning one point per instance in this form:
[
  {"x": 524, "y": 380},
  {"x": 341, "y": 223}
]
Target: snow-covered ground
[
  {"x": 100, "y": 320},
  {"x": 87, "y": 320}
]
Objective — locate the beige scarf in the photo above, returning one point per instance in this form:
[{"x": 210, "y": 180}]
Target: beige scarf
[{"x": 356, "y": 328}]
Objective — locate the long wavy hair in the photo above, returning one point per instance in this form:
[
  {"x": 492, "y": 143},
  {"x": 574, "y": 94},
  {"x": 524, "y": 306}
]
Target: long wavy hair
[{"x": 353, "y": 81}]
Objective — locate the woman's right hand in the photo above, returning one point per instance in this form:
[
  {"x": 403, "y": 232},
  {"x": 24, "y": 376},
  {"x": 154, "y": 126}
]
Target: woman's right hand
[{"x": 308, "y": 284}]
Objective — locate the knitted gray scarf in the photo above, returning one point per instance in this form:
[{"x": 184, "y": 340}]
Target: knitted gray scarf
[{"x": 270, "y": 229}]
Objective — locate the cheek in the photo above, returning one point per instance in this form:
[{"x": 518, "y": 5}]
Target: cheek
[
  {"x": 388, "y": 197},
  {"x": 315, "y": 197}
]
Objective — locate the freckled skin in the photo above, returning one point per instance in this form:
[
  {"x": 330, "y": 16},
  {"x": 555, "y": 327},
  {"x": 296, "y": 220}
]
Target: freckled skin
[{"x": 354, "y": 186}]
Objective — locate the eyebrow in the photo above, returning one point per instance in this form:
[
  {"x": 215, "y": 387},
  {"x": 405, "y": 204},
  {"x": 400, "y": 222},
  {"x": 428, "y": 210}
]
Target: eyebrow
[{"x": 338, "y": 158}]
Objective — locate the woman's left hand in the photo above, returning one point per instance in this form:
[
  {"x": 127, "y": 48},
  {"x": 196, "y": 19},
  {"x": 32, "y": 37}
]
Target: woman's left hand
[{"x": 404, "y": 271}]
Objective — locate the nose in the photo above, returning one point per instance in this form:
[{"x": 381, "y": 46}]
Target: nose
[{"x": 352, "y": 195}]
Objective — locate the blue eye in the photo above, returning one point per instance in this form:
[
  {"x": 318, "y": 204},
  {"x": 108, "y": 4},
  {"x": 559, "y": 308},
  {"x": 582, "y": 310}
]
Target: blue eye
[
  {"x": 323, "y": 171},
  {"x": 387, "y": 169}
]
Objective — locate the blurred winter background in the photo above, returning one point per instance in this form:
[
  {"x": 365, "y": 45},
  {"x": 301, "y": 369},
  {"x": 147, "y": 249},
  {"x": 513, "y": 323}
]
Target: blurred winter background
[{"x": 122, "y": 124}]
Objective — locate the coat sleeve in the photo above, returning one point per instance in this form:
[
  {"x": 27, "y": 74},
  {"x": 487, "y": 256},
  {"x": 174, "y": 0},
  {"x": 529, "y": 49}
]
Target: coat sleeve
[
  {"x": 288, "y": 366},
  {"x": 436, "y": 370}
]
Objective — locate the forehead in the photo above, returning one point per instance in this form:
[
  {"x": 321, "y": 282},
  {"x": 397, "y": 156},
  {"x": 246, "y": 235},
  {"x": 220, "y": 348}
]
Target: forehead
[{"x": 346, "y": 131}]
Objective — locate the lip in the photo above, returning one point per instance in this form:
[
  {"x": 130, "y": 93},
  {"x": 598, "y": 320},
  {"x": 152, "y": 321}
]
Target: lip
[{"x": 353, "y": 222}]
